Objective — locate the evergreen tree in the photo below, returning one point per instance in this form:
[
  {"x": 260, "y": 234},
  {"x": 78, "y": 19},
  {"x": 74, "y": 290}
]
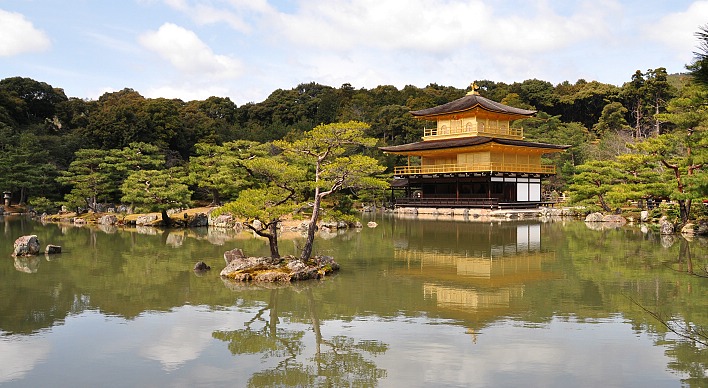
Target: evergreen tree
[
  {"x": 699, "y": 67},
  {"x": 89, "y": 179},
  {"x": 593, "y": 183},
  {"x": 328, "y": 150},
  {"x": 157, "y": 190},
  {"x": 25, "y": 167},
  {"x": 275, "y": 197},
  {"x": 612, "y": 120},
  {"x": 659, "y": 92},
  {"x": 220, "y": 170}
]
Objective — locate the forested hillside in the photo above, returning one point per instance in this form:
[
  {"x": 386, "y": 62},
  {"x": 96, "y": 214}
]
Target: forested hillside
[{"x": 58, "y": 149}]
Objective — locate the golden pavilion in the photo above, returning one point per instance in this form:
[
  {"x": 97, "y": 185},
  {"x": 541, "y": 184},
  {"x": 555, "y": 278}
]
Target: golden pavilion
[{"x": 472, "y": 158}]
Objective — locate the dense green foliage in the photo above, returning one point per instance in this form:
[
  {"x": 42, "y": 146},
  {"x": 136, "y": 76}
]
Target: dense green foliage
[
  {"x": 77, "y": 152},
  {"x": 333, "y": 153},
  {"x": 275, "y": 184},
  {"x": 321, "y": 162}
]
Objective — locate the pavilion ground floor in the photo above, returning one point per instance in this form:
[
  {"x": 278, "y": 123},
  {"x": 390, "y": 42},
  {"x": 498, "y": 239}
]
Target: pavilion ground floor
[{"x": 469, "y": 190}]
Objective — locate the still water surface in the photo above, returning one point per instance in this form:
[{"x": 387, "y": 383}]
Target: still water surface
[{"x": 417, "y": 303}]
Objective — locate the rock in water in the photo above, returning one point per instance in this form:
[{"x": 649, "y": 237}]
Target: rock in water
[
  {"x": 52, "y": 249},
  {"x": 614, "y": 218},
  {"x": 108, "y": 219},
  {"x": 235, "y": 253},
  {"x": 26, "y": 246},
  {"x": 201, "y": 266},
  {"x": 285, "y": 269},
  {"x": 199, "y": 220},
  {"x": 594, "y": 217},
  {"x": 665, "y": 227}
]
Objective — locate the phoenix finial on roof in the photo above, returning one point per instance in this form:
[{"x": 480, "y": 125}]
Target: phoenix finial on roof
[{"x": 474, "y": 88}]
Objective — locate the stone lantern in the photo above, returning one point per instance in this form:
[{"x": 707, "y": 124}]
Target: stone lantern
[{"x": 7, "y": 195}]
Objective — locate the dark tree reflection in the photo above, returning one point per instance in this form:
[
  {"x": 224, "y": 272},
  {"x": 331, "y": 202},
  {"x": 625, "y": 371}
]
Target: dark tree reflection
[{"x": 337, "y": 361}]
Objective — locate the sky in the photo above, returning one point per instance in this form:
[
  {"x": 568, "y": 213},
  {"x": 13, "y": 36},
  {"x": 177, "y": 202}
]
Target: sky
[{"x": 246, "y": 49}]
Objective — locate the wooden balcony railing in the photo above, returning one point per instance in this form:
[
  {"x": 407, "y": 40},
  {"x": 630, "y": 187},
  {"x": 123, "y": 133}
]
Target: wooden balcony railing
[
  {"x": 478, "y": 167},
  {"x": 478, "y": 130}
]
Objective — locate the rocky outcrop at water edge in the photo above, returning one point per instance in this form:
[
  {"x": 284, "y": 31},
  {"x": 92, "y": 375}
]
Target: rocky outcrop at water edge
[{"x": 284, "y": 269}]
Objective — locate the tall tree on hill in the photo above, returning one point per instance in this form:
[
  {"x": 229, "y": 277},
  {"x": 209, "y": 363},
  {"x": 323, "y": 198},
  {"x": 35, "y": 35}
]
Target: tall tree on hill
[
  {"x": 634, "y": 97},
  {"x": 645, "y": 97},
  {"x": 33, "y": 101},
  {"x": 658, "y": 92},
  {"x": 119, "y": 120},
  {"x": 539, "y": 94},
  {"x": 584, "y": 101},
  {"x": 165, "y": 127},
  {"x": 612, "y": 120}
]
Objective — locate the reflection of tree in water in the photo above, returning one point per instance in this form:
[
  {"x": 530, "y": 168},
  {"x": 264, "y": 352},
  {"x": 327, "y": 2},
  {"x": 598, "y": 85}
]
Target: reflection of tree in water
[
  {"x": 338, "y": 361},
  {"x": 691, "y": 360},
  {"x": 686, "y": 256},
  {"x": 690, "y": 350}
]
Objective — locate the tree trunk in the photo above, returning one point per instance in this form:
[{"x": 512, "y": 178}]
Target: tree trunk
[
  {"x": 684, "y": 209},
  {"x": 657, "y": 123},
  {"x": 603, "y": 204},
  {"x": 215, "y": 199},
  {"x": 23, "y": 196},
  {"x": 307, "y": 249},
  {"x": 92, "y": 203},
  {"x": 166, "y": 219},
  {"x": 638, "y": 114},
  {"x": 273, "y": 240}
]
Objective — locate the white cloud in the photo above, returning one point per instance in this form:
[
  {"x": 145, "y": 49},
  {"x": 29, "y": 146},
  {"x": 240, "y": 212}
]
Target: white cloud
[
  {"x": 676, "y": 30},
  {"x": 439, "y": 26},
  {"x": 188, "y": 54},
  {"x": 372, "y": 42},
  {"x": 20, "y": 356},
  {"x": 19, "y": 35},
  {"x": 238, "y": 14},
  {"x": 176, "y": 345}
]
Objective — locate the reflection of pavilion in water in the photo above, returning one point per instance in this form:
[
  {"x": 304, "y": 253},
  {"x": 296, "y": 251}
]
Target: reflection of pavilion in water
[{"x": 475, "y": 272}]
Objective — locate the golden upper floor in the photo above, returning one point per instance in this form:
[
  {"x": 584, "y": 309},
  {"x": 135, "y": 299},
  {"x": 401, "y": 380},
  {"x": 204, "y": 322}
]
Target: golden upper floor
[
  {"x": 472, "y": 126},
  {"x": 472, "y": 115}
]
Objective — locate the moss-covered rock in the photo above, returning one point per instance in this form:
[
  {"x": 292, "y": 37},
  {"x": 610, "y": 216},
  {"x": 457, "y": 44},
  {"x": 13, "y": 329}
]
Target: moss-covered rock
[{"x": 285, "y": 269}]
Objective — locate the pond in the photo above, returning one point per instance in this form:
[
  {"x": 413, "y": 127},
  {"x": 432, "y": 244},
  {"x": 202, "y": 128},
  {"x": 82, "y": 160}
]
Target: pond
[{"x": 417, "y": 303}]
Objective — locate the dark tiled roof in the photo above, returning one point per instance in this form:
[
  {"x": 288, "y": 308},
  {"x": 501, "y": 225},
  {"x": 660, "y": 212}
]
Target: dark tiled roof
[
  {"x": 471, "y": 101},
  {"x": 467, "y": 142}
]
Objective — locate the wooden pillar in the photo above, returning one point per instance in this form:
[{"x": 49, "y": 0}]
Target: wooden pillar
[{"x": 457, "y": 188}]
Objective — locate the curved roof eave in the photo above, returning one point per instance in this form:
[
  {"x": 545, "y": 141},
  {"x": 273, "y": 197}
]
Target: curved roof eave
[
  {"x": 467, "y": 142},
  {"x": 470, "y": 102}
]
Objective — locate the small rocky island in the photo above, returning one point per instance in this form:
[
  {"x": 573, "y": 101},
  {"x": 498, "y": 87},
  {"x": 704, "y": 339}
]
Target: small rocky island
[{"x": 241, "y": 268}]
